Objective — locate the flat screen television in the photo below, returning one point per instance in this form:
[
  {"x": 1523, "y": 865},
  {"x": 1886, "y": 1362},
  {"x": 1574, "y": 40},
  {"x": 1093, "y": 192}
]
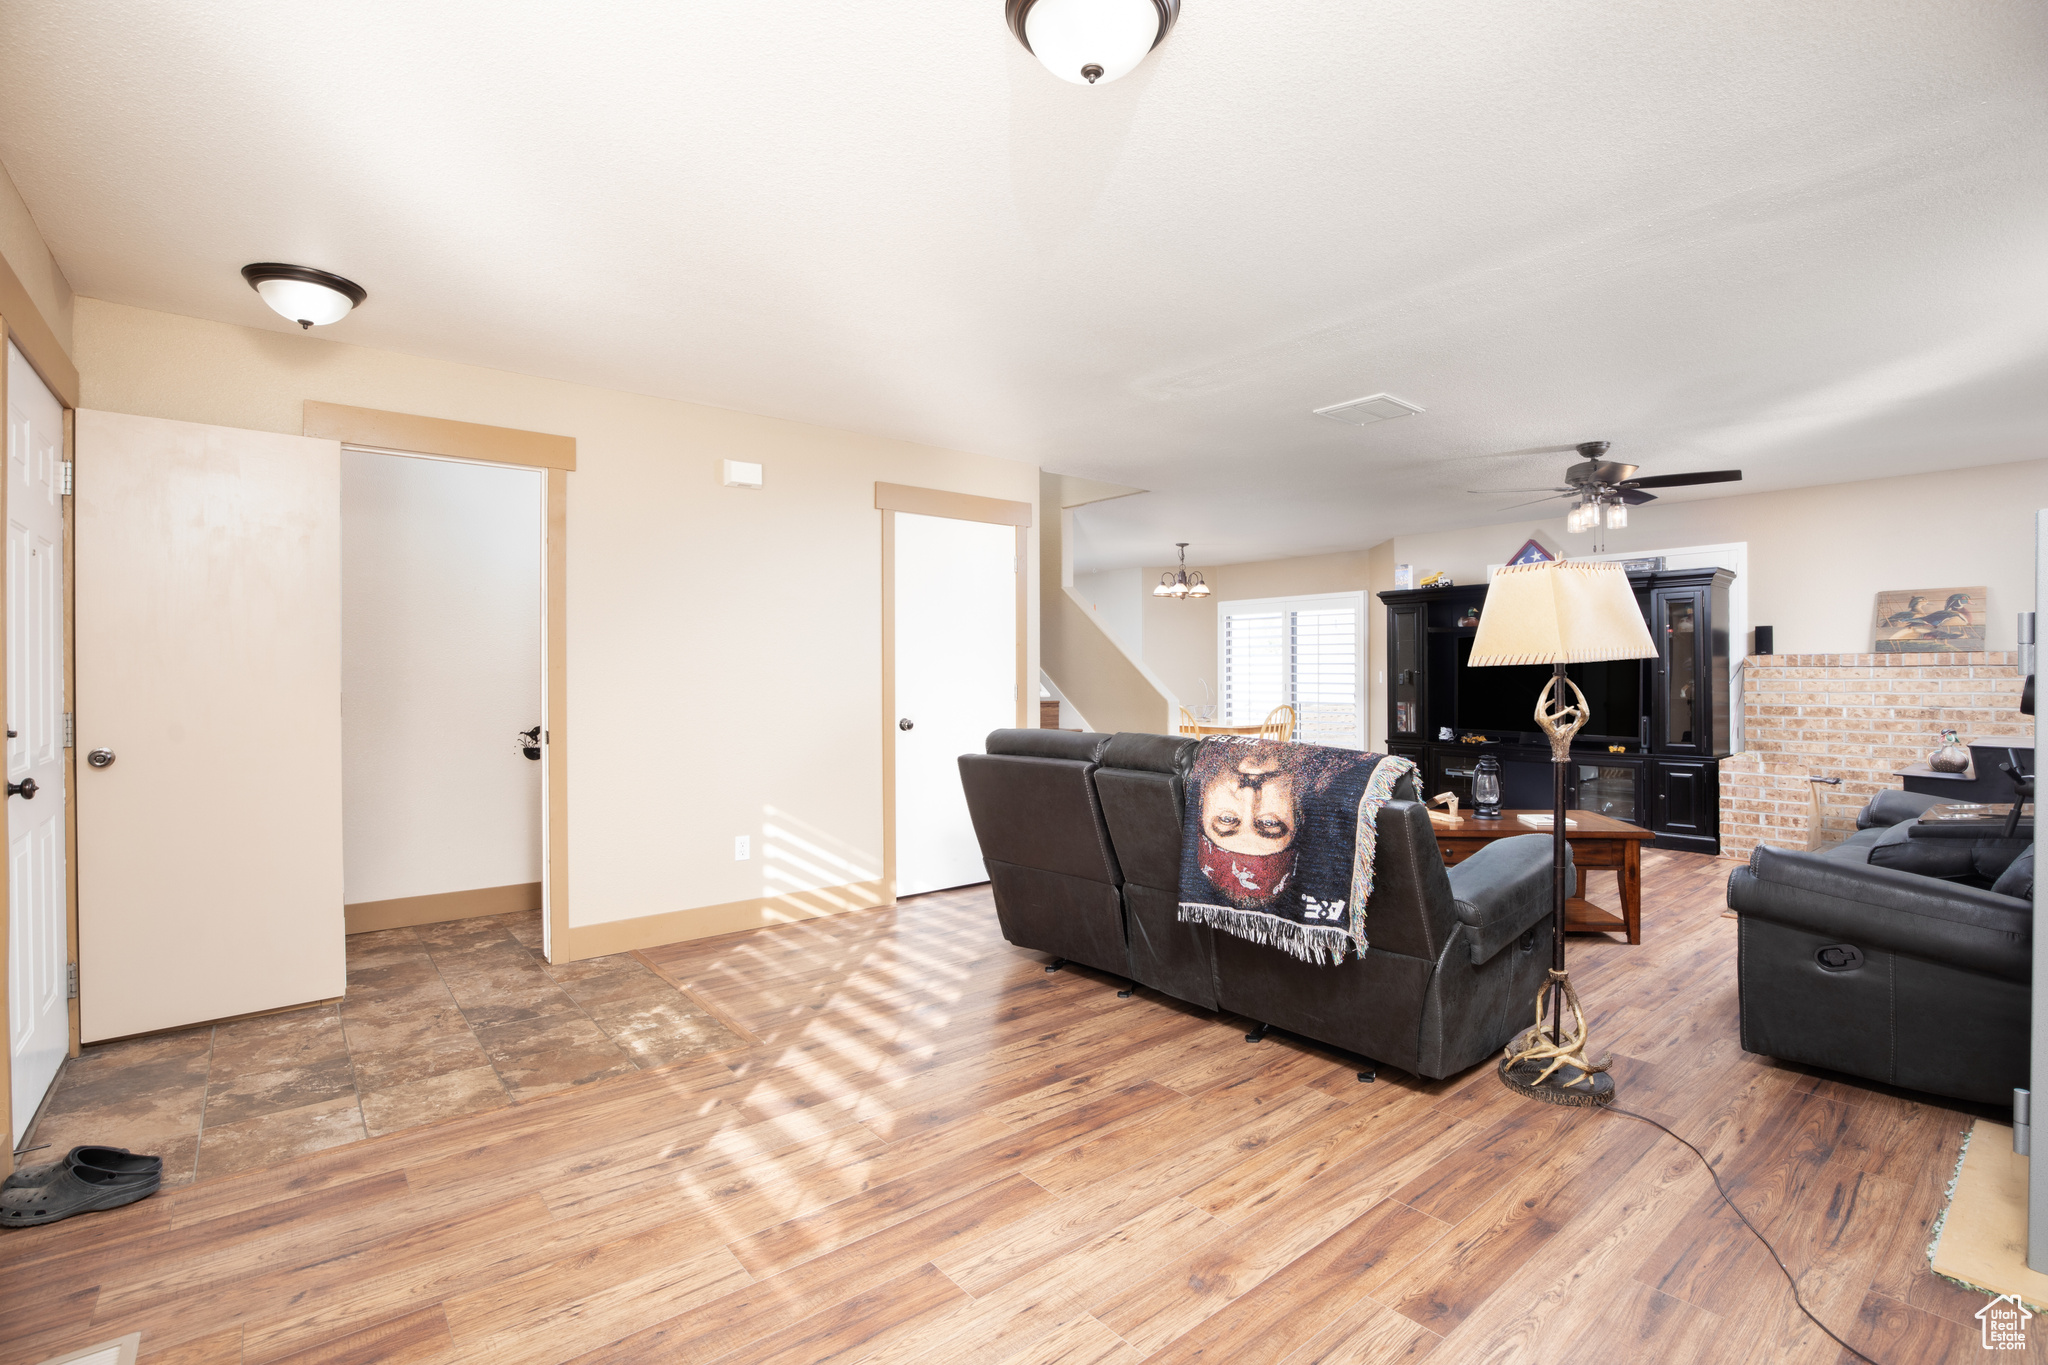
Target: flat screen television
[{"x": 1502, "y": 700}]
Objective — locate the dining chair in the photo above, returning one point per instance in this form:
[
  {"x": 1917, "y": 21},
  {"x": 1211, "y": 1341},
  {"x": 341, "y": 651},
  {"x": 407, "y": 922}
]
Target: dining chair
[
  {"x": 1187, "y": 722},
  {"x": 1279, "y": 724}
]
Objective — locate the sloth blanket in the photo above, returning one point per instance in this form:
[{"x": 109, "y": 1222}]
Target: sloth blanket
[{"x": 1277, "y": 842}]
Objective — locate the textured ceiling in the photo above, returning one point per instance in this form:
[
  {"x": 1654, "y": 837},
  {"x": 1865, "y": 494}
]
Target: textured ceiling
[{"x": 1806, "y": 239}]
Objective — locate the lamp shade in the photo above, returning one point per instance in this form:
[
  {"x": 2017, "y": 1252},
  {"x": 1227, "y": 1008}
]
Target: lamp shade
[{"x": 1560, "y": 612}]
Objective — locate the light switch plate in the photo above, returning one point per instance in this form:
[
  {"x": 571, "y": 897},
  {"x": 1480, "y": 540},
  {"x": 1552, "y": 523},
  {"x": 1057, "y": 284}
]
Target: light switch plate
[{"x": 740, "y": 474}]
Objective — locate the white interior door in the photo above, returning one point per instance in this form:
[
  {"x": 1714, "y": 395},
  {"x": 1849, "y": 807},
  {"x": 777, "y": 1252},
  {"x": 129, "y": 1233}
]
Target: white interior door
[
  {"x": 39, "y": 1023},
  {"x": 956, "y": 680},
  {"x": 208, "y": 655}
]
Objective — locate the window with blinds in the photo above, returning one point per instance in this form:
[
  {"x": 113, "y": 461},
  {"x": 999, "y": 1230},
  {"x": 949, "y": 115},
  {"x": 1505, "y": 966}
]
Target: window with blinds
[{"x": 1304, "y": 652}]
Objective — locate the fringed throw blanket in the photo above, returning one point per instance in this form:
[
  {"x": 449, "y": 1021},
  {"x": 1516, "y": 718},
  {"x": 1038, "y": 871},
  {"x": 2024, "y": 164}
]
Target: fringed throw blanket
[{"x": 1278, "y": 839}]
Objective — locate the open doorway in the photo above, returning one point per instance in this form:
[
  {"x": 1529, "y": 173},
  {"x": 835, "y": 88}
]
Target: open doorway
[{"x": 442, "y": 688}]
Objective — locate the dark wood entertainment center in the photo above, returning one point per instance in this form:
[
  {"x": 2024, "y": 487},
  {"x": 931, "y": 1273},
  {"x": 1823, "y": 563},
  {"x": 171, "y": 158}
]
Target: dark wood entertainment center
[{"x": 1666, "y": 775}]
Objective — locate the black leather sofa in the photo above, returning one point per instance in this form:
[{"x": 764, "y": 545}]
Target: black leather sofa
[
  {"x": 1901, "y": 959},
  {"x": 1082, "y": 837}
]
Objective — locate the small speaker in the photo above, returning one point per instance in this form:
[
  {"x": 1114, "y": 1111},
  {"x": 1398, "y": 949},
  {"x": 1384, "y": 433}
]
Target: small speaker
[{"x": 1764, "y": 642}]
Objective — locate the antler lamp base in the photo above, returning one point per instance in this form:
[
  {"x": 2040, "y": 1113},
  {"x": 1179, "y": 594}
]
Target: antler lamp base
[{"x": 1546, "y": 1066}]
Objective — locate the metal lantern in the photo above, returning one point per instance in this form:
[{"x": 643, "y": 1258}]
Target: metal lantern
[{"x": 1486, "y": 788}]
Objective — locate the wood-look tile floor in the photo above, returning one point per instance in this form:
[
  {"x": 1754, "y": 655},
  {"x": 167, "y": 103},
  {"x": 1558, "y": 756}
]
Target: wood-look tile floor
[
  {"x": 931, "y": 1150},
  {"x": 455, "y": 1018}
]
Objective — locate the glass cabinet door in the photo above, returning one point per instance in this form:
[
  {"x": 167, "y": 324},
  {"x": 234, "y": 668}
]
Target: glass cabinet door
[
  {"x": 1609, "y": 789},
  {"x": 1404, "y": 668},
  {"x": 1681, "y": 701}
]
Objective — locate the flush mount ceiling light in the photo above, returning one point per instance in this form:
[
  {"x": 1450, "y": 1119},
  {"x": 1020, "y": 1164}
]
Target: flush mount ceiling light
[
  {"x": 1183, "y": 584},
  {"x": 309, "y": 297},
  {"x": 1090, "y": 41}
]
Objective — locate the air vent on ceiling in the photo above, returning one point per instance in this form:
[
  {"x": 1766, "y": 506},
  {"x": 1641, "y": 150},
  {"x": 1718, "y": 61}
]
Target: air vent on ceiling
[{"x": 1363, "y": 412}]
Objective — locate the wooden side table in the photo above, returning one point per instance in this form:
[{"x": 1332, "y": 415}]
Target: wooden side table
[{"x": 1598, "y": 843}]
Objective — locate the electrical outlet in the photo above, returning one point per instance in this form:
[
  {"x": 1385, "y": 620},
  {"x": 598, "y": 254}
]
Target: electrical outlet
[{"x": 742, "y": 848}]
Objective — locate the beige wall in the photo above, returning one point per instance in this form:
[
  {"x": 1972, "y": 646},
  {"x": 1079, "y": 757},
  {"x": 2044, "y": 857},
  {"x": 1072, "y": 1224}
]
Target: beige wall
[
  {"x": 1116, "y": 599},
  {"x": 22, "y": 247},
  {"x": 724, "y": 645},
  {"x": 1379, "y": 577},
  {"x": 1110, "y": 687},
  {"x": 1819, "y": 556},
  {"x": 1817, "y": 559}
]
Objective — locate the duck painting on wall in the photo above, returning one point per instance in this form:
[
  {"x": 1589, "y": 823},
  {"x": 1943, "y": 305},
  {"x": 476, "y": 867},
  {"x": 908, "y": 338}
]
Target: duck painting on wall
[{"x": 1929, "y": 621}]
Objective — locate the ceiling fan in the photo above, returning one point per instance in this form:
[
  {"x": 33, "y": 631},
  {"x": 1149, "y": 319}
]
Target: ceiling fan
[{"x": 1604, "y": 489}]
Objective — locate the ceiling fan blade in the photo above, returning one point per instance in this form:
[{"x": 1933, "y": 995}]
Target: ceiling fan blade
[
  {"x": 1533, "y": 501},
  {"x": 1636, "y": 499},
  {"x": 1495, "y": 492},
  {"x": 1682, "y": 480}
]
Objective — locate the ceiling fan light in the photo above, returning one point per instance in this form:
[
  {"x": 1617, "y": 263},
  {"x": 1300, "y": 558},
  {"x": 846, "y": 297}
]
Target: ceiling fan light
[
  {"x": 301, "y": 294},
  {"x": 1617, "y": 515},
  {"x": 1090, "y": 42}
]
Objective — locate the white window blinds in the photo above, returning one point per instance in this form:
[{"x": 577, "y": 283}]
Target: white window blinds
[
  {"x": 1305, "y": 652},
  {"x": 1254, "y": 665}
]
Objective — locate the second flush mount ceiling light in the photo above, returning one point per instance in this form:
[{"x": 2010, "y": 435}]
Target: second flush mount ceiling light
[
  {"x": 1090, "y": 41},
  {"x": 309, "y": 297}
]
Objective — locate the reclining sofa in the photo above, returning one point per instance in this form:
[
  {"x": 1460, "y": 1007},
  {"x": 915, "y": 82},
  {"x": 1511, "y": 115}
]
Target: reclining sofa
[
  {"x": 1082, "y": 837},
  {"x": 1894, "y": 957}
]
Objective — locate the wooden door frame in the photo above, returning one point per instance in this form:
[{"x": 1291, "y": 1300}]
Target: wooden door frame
[
  {"x": 24, "y": 325},
  {"x": 891, "y": 498},
  {"x": 398, "y": 433}
]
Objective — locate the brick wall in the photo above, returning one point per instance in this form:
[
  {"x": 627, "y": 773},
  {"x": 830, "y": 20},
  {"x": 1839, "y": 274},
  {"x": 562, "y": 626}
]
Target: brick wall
[{"x": 1858, "y": 717}]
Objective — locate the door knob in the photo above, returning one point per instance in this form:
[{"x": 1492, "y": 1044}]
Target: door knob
[
  {"x": 100, "y": 758},
  {"x": 25, "y": 789},
  {"x": 906, "y": 724}
]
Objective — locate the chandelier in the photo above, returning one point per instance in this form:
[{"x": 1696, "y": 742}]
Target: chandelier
[{"x": 1183, "y": 584}]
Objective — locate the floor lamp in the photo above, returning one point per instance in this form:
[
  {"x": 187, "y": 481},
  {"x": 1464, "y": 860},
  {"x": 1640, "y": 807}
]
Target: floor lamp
[{"x": 1559, "y": 612}]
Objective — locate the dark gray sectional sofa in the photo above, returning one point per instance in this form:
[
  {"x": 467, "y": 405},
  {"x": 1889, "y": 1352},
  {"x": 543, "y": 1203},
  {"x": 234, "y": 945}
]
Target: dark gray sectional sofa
[{"x": 1082, "y": 837}]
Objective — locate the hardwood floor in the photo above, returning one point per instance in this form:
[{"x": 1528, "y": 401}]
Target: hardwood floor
[
  {"x": 460, "y": 1017},
  {"x": 927, "y": 1148}
]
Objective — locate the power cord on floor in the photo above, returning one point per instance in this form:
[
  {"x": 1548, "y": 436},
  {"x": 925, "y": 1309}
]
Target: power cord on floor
[{"x": 1729, "y": 1200}]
